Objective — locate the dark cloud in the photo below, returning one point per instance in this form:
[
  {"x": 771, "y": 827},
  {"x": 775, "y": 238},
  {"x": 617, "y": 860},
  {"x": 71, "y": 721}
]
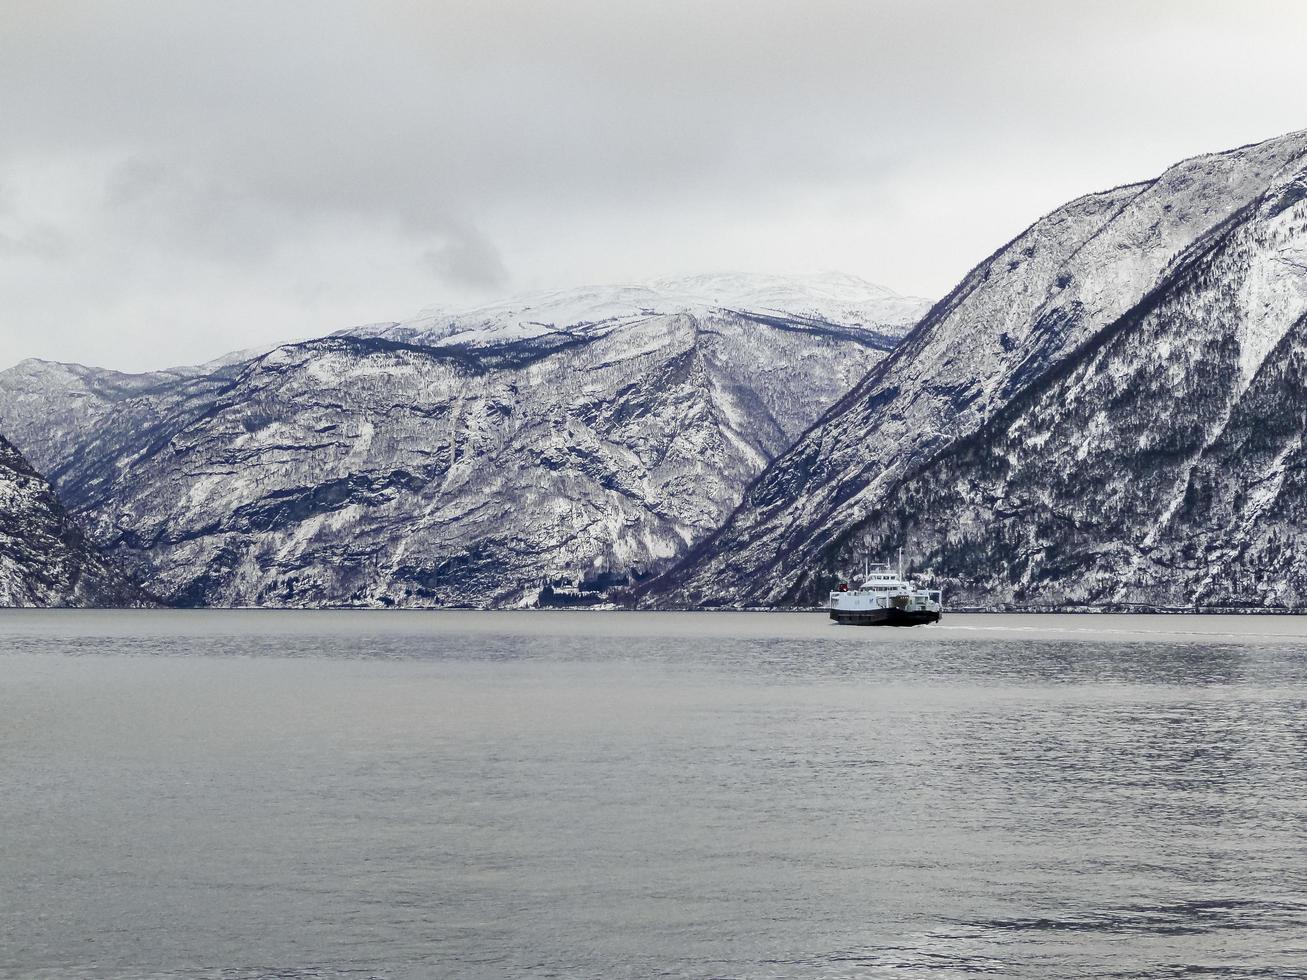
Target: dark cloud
[{"x": 214, "y": 175}]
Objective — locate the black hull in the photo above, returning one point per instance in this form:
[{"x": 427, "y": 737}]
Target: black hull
[{"x": 883, "y": 617}]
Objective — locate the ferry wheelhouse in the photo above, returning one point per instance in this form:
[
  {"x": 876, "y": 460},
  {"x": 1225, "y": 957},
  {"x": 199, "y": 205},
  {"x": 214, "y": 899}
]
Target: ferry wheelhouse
[{"x": 885, "y": 598}]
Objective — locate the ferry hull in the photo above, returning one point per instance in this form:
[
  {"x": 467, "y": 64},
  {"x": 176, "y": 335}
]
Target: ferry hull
[{"x": 883, "y": 617}]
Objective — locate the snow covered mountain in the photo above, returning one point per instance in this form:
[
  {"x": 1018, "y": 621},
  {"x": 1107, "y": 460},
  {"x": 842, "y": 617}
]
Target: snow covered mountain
[
  {"x": 513, "y": 458},
  {"x": 834, "y": 299},
  {"x": 45, "y": 559},
  {"x": 1108, "y": 410}
]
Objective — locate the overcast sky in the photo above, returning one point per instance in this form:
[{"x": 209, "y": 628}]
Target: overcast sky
[{"x": 179, "y": 179}]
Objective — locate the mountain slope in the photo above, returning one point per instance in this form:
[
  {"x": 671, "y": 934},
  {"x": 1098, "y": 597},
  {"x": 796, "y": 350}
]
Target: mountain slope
[
  {"x": 1017, "y": 316},
  {"x": 45, "y": 559},
  {"x": 1162, "y": 467},
  {"x": 369, "y": 469}
]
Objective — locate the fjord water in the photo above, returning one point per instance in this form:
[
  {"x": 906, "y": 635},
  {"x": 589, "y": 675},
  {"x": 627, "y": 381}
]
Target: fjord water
[{"x": 404, "y": 795}]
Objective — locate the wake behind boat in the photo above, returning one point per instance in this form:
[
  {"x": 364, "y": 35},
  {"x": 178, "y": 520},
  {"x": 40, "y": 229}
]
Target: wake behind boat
[{"x": 885, "y": 598}]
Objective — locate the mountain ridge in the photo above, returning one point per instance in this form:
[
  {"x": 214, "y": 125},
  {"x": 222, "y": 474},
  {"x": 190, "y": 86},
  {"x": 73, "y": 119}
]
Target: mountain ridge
[{"x": 832, "y": 299}]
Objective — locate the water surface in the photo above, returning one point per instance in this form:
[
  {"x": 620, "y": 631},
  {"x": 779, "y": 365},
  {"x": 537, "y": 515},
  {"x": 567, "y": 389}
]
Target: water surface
[{"x": 573, "y": 794}]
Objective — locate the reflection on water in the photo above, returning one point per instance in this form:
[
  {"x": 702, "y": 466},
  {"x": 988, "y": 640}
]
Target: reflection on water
[{"x": 332, "y": 795}]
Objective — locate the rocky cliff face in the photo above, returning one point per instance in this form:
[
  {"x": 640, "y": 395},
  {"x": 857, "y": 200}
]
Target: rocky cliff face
[
  {"x": 504, "y": 458},
  {"x": 1104, "y": 411},
  {"x": 45, "y": 559}
]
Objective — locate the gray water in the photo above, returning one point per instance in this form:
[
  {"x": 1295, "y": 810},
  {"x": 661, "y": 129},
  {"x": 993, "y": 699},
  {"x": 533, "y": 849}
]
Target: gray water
[{"x": 399, "y": 795}]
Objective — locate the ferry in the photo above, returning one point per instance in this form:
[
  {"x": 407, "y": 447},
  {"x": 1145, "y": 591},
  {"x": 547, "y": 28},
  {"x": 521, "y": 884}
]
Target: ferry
[{"x": 885, "y": 598}]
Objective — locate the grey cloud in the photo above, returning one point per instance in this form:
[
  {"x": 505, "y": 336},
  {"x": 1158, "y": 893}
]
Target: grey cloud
[
  {"x": 468, "y": 260},
  {"x": 201, "y": 210},
  {"x": 245, "y": 171},
  {"x": 134, "y": 181}
]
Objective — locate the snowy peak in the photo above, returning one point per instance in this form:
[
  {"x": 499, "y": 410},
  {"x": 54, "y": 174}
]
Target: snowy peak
[{"x": 832, "y": 298}]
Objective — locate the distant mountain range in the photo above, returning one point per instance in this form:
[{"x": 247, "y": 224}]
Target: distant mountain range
[
  {"x": 1107, "y": 412},
  {"x": 547, "y": 449}
]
